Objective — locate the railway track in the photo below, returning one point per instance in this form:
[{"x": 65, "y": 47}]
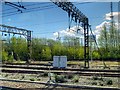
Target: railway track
[
  {"x": 63, "y": 69},
  {"x": 104, "y": 74},
  {"x": 46, "y": 64},
  {"x": 36, "y": 69},
  {"x": 67, "y": 86}
]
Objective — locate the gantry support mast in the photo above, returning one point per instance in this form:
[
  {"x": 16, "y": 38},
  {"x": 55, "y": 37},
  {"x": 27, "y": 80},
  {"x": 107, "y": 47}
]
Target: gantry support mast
[
  {"x": 19, "y": 31},
  {"x": 77, "y": 16}
]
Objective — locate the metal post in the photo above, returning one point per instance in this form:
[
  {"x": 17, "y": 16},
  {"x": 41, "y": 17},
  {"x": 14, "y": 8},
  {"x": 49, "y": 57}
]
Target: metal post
[
  {"x": 77, "y": 16},
  {"x": 49, "y": 73},
  {"x": 91, "y": 49},
  {"x": 86, "y": 43},
  {"x": 28, "y": 46}
]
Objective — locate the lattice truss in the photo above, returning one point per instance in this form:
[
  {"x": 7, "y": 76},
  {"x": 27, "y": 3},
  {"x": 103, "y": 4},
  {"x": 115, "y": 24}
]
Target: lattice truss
[
  {"x": 15, "y": 30},
  {"x": 76, "y": 15}
]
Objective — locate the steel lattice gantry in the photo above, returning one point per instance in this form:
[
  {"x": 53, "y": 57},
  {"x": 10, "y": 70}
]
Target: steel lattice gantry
[
  {"x": 19, "y": 31},
  {"x": 76, "y": 15}
]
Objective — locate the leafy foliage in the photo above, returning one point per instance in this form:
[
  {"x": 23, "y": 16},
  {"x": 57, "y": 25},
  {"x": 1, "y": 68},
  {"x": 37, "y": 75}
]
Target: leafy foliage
[
  {"x": 59, "y": 78},
  {"x": 109, "y": 42},
  {"x": 109, "y": 82},
  {"x": 45, "y": 49},
  {"x": 75, "y": 79}
]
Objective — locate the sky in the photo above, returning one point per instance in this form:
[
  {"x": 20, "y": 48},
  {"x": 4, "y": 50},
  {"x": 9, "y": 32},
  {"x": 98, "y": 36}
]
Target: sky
[{"x": 45, "y": 19}]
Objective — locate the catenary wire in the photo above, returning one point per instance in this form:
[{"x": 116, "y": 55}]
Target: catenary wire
[{"x": 39, "y": 7}]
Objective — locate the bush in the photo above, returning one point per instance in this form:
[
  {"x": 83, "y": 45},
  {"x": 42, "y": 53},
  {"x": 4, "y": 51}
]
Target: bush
[
  {"x": 38, "y": 79},
  {"x": 96, "y": 55},
  {"x": 22, "y": 77},
  {"x": 59, "y": 78},
  {"x": 32, "y": 79},
  {"x": 101, "y": 84},
  {"x": 95, "y": 78},
  {"x": 45, "y": 74},
  {"x": 101, "y": 78},
  {"x": 6, "y": 75},
  {"x": 75, "y": 79},
  {"x": 94, "y": 83},
  {"x": 70, "y": 76},
  {"x": 109, "y": 82},
  {"x": 10, "y": 58},
  {"x": 4, "y": 56}
]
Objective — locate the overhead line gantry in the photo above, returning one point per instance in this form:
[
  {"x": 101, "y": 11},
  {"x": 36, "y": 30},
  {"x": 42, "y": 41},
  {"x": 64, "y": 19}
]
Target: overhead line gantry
[
  {"x": 76, "y": 15},
  {"x": 19, "y": 31}
]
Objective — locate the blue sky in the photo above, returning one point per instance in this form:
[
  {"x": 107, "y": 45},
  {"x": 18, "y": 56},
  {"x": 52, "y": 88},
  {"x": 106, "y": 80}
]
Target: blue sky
[{"x": 49, "y": 18}]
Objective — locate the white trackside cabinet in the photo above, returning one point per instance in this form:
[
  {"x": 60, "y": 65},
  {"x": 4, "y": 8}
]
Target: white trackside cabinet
[
  {"x": 59, "y": 61},
  {"x": 63, "y": 61},
  {"x": 56, "y": 61}
]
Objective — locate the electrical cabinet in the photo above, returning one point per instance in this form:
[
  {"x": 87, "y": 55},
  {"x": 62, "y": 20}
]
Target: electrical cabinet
[{"x": 60, "y": 61}]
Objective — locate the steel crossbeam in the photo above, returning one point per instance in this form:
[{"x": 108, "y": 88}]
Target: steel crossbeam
[
  {"x": 75, "y": 14},
  {"x": 19, "y": 31}
]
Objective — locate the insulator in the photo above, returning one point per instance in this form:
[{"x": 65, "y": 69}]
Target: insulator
[
  {"x": 75, "y": 19},
  {"x": 78, "y": 30},
  {"x": 5, "y": 34}
]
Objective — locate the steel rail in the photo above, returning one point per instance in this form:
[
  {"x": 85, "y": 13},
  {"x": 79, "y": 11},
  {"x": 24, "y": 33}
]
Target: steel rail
[
  {"x": 63, "y": 69},
  {"x": 64, "y": 85},
  {"x": 63, "y": 72}
]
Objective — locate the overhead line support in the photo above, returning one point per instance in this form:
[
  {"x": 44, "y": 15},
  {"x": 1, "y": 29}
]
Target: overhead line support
[
  {"x": 78, "y": 17},
  {"x": 19, "y": 31}
]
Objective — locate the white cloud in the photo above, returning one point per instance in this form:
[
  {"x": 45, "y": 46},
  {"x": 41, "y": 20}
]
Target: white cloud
[
  {"x": 99, "y": 27},
  {"x": 73, "y": 31},
  {"x": 115, "y": 16},
  {"x": 107, "y": 22}
]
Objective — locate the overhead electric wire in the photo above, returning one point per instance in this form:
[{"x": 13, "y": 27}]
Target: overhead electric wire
[
  {"x": 31, "y": 10},
  {"x": 16, "y": 12},
  {"x": 25, "y": 6},
  {"x": 15, "y": 7},
  {"x": 24, "y": 12},
  {"x": 49, "y": 7},
  {"x": 36, "y": 8},
  {"x": 42, "y": 4}
]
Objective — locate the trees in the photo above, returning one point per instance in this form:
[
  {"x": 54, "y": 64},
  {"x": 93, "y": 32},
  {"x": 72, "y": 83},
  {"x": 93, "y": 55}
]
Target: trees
[
  {"x": 16, "y": 49},
  {"x": 108, "y": 42},
  {"x": 72, "y": 45},
  {"x": 36, "y": 49},
  {"x": 46, "y": 53},
  {"x": 103, "y": 39},
  {"x": 19, "y": 48},
  {"x": 45, "y": 49}
]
